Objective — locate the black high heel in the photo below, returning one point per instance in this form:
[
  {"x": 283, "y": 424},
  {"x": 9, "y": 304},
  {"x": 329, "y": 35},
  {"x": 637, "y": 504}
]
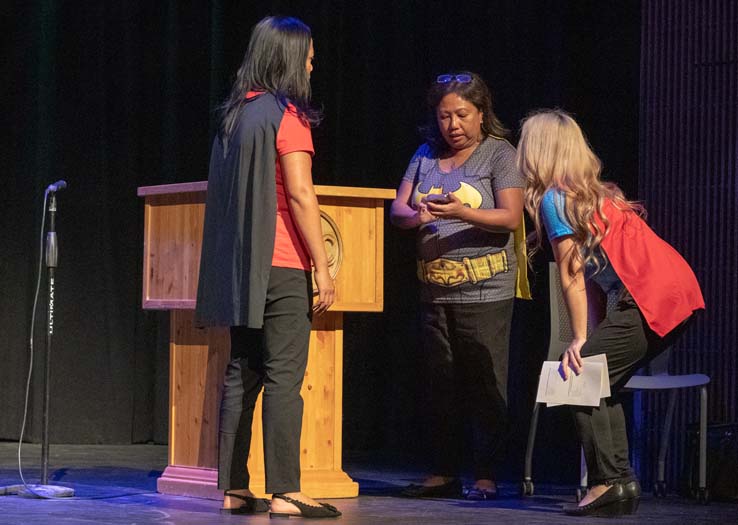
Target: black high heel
[
  {"x": 616, "y": 501},
  {"x": 632, "y": 490}
]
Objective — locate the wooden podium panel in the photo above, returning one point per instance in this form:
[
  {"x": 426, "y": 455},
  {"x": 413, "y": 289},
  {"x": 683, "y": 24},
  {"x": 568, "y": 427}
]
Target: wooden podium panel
[
  {"x": 360, "y": 289},
  {"x": 173, "y": 221},
  {"x": 173, "y": 225},
  {"x": 353, "y": 222}
]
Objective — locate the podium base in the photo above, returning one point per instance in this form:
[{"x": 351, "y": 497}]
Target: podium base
[{"x": 203, "y": 483}]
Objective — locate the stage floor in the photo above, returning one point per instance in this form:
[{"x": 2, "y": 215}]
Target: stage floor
[{"x": 117, "y": 485}]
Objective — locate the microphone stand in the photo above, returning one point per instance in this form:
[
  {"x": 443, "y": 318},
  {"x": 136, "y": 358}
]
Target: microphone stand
[
  {"x": 45, "y": 490},
  {"x": 52, "y": 257}
]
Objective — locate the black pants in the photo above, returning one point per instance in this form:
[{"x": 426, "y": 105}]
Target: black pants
[
  {"x": 625, "y": 337},
  {"x": 466, "y": 358},
  {"x": 274, "y": 357}
]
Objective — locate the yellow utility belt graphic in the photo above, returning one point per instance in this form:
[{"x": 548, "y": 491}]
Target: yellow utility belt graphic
[{"x": 446, "y": 272}]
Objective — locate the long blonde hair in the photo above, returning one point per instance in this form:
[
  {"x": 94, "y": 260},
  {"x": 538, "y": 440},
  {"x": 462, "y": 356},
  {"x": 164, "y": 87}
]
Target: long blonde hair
[{"x": 553, "y": 153}]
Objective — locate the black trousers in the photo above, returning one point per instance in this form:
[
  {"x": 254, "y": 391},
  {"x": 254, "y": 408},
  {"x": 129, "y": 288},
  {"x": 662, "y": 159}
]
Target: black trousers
[
  {"x": 466, "y": 358},
  {"x": 625, "y": 337},
  {"x": 273, "y": 357}
]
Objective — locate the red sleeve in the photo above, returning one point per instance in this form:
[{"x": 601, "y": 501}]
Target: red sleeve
[{"x": 294, "y": 134}]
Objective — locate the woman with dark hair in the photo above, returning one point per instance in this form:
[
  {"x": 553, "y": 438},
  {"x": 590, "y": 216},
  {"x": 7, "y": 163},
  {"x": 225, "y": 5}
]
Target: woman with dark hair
[
  {"x": 464, "y": 194},
  {"x": 262, "y": 230}
]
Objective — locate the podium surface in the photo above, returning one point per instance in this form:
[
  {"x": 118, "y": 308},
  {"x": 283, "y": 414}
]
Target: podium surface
[{"x": 353, "y": 232}]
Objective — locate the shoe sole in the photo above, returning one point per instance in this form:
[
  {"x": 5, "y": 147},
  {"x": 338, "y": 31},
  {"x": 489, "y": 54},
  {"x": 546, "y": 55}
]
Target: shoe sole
[
  {"x": 618, "y": 508},
  {"x": 614, "y": 509}
]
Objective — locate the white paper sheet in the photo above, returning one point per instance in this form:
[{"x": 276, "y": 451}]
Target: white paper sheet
[
  {"x": 605, "y": 379},
  {"x": 584, "y": 389}
]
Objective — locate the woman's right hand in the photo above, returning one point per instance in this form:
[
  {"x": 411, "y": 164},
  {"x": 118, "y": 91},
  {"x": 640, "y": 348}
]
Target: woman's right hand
[
  {"x": 404, "y": 213},
  {"x": 572, "y": 358},
  {"x": 424, "y": 215},
  {"x": 326, "y": 291}
]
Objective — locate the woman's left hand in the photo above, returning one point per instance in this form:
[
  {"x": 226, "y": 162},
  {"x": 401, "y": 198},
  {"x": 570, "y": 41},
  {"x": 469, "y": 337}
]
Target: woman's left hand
[
  {"x": 326, "y": 291},
  {"x": 453, "y": 210}
]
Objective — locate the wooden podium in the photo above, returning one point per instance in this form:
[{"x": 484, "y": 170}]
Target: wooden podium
[{"x": 353, "y": 230}]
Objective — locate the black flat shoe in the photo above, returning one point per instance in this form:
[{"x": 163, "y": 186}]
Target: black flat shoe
[
  {"x": 450, "y": 489},
  {"x": 477, "y": 494},
  {"x": 613, "y": 502},
  {"x": 305, "y": 511},
  {"x": 250, "y": 505}
]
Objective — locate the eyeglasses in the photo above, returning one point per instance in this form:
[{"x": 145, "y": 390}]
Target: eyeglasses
[{"x": 445, "y": 79}]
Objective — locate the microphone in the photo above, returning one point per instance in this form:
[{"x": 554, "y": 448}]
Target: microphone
[{"x": 58, "y": 185}]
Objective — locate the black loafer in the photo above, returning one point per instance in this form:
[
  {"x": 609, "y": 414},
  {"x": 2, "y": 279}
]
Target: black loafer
[
  {"x": 450, "y": 489},
  {"x": 614, "y": 502}
]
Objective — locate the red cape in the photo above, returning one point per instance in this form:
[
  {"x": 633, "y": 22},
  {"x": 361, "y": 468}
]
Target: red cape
[{"x": 659, "y": 279}]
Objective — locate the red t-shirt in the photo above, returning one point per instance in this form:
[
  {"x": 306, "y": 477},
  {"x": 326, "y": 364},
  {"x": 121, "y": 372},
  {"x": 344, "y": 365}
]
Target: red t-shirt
[{"x": 289, "y": 248}]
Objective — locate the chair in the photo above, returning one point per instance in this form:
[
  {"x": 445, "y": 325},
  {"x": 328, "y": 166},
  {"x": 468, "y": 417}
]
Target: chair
[{"x": 657, "y": 379}]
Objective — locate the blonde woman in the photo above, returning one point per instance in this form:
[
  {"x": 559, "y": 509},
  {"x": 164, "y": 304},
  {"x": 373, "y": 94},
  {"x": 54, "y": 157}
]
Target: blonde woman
[{"x": 602, "y": 245}]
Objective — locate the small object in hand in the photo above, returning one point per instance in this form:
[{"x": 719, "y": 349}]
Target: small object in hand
[{"x": 438, "y": 198}]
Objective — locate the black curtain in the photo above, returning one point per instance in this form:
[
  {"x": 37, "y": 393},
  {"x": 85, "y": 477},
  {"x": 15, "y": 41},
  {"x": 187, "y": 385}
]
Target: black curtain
[
  {"x": 111, "y": 96},
  {"x": 689, "y": 184}
]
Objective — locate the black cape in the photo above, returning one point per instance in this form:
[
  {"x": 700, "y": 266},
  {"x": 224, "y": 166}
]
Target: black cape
[{"x": 240, "y": 219}]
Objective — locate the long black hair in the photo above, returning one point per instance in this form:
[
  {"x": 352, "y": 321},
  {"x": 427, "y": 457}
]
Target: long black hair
[
  {"x": 476, "y": 92},
  {"x": 274, "y": 62}
]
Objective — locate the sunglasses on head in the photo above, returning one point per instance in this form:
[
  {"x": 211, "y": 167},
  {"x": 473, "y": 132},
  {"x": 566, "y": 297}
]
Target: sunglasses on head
[{"x": 445, "y": 79}]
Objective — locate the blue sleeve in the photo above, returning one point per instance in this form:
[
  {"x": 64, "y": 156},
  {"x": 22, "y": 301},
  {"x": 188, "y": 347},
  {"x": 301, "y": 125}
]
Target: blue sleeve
[{"x": 554, "y": 216}]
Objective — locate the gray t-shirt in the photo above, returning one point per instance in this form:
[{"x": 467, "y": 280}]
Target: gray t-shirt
[{"x": 490, "y": 168}]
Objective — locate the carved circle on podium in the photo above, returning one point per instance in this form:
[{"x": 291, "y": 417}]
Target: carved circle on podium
[
  {"x": 333, "y": 246},
  {"x": 333, "y": 243}
]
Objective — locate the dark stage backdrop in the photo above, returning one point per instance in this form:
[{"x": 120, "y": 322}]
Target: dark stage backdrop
[
  {"x": 689, "y": 183},
  {"x": 114, "y": 95}
]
